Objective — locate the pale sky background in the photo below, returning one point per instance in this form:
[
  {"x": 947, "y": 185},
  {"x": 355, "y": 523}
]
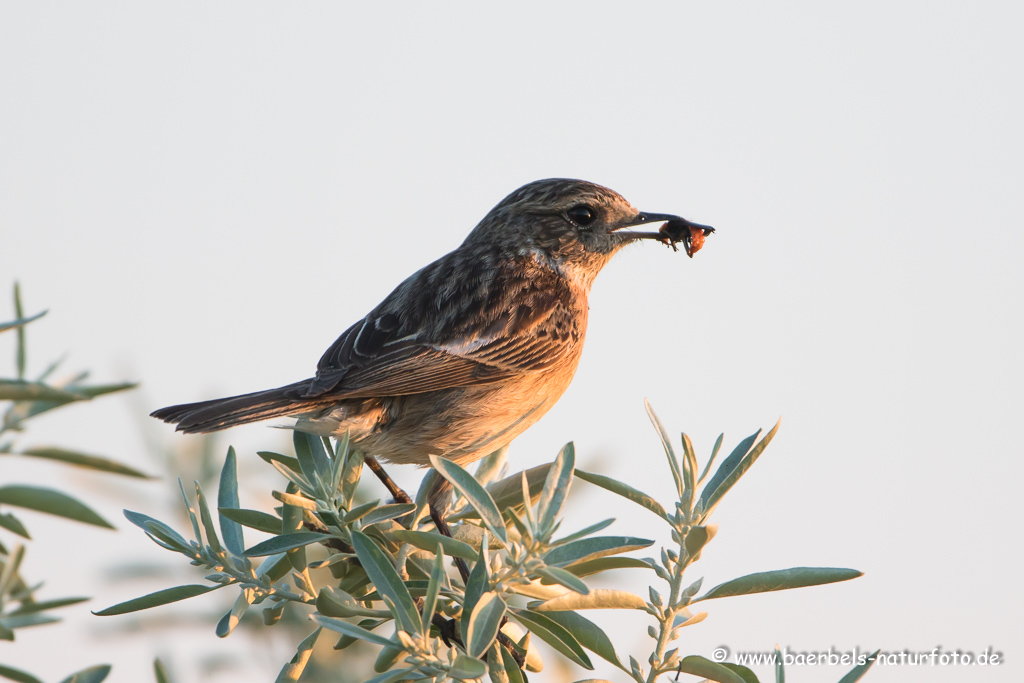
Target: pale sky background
[{"x": 205, "y": 196}]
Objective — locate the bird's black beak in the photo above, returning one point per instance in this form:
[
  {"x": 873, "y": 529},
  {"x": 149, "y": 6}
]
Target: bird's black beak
[
  {"x": 674, "y": 227},
  {"x": 643, "y": 217},
  {"x": 675, "y": 222}
]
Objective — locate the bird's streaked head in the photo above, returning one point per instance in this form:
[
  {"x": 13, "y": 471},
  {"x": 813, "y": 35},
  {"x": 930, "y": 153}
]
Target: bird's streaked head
[{"x": 573, "y": 224}]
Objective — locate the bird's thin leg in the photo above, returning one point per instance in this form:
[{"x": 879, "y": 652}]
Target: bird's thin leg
[
  {"x": 397, "y": 493},
  {"x": 439, "y": 500},
  {"x": 443, "y": 529}
]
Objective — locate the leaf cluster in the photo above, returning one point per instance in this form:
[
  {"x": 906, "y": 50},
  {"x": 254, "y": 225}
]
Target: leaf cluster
[
  {"x": 380, "y": 572},
  {"x": 25, "y": 399}
]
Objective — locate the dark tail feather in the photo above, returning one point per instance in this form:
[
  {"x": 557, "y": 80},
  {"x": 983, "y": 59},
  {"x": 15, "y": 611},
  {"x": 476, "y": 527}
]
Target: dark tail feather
[{"x": 221, "y": 413}]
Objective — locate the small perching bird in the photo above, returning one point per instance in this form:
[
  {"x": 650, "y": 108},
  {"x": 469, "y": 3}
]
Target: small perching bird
[{"x": 469, "y": 351}]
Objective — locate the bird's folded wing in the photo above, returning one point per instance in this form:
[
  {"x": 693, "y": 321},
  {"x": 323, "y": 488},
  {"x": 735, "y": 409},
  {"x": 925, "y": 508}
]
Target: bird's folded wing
[{"x": 396, "y": 365}]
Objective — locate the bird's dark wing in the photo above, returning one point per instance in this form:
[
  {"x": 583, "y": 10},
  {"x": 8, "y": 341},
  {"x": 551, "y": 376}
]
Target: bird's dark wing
[{"x": 427, "y": 337}]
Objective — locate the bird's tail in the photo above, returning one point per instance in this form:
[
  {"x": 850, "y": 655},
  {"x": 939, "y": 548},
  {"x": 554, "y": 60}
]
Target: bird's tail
[{"x": 221, "y": 413}]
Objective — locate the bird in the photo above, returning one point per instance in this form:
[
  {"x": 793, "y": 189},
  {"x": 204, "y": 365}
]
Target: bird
[{"x": 470, "y": 350}]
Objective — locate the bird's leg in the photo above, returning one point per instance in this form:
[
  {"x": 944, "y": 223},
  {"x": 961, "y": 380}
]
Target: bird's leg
[
  {"x": 397, "y": 493},
  {"x": 438, "y": 496},
  {"x": 445, "y": 530},
  {"x": 439, "y": 500}
]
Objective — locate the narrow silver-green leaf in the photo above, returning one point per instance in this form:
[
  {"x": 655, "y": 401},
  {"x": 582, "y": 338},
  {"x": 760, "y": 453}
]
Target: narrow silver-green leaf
[
  {"x": 474, "y": 493},
  {"x": 286, "y": 460},
  {"x": 624, "y": 490},
  {"x": 713, "y": 671},
  {"x": 689, "y": 473},
  {"x": 357, "y": 512},
  {"x": 19, "y": 322},
  {"x": 601, "y": 564},
  {"x": 309, "y": 451},
  {"x": 564, "y": 578},
  {"x": 94, "y": 674},
  {"x": 351, "y": 630},
  {"x": 388, "y": 656},
  {"x": 698, "y": 537},
  {"x": 294, "y": 668},
  {"x": 529, "y": 528},
  {"x": 666, "y": 443},
  {"x": 43, "y": 605},
  {"x": 437, "y": 579},
  {"x": 388, "y": 583},
  {"x": 295, "y": 500},
  {"x": 593, "y": 548},
  {"x": 275, "y": 567},
  {"x": 17, "y": 675},
  {"x": 160, "y": 672},
  {"x": 589, "y": 636},
  {"x": 711, "y": 461},
  {"x": 583, "y": 533},
  {"x": 227, "y": 497},
  {"x": 19, "y": 314},
  {"x": 430, "y": 541},
  {"x": 467, "y": 668},
  {"x": 9, "y": 573},
  {"x": 207, "y": 520},
  {"x": 234, "y": 616},
  {"x": 600, "y": 598},
  {"x": 509, "y": 666},
  {"x": 13, "y": 524},
  {"x": 334, "y": 602},
  {"x": 484, "y": 623},
  {"x": 94, "y": 390},
  {"x": 92, "y": 462},
  {"x": 292, "y": 521},
  {"x": 338, "y": 461},
  {"x": 554, "y": 634},
  {"x": 350, "y": 476},
  {"x": 20, "y": 390},
  {"x": 729, "y": 464},
  {"x": 157, "y": 534},
  {"x": 254, "y": 519},
  {"x": 161, "y": 597},
  {"x": 780, "y": 579},
  {"x": 476, "y": 586},
  {"x": 285, "y": 542},
  {"x": 508, "y": 492},
  {"x": 190, "y": 509},
  {"x": 743, "y": 672},
  {"x": 26, "y": 620},
  {"x": 780, "y": 672},
  {"x": 159, "y": 530},
  {"x": 383, "y": 513},
  {"x": 556, "y": 488},
  {"x": 51, "y": 502},
  {"x": 857, "y": 672},
  {"x": 732, "y": 468}
]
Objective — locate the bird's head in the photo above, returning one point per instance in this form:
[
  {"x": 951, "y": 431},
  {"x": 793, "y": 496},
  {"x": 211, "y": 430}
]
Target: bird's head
[{"x": 573, "y": 225}]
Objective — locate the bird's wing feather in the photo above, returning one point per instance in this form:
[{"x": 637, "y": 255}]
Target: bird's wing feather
[{"x": 412, "y": 344}]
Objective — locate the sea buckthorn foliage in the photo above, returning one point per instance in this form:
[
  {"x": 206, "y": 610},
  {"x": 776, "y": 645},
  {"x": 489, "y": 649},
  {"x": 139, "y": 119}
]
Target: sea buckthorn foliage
[
  {"x": 379, "y": 572},
  {"x": 22, "y": 399},
  {"x": 467, "y": 607}
]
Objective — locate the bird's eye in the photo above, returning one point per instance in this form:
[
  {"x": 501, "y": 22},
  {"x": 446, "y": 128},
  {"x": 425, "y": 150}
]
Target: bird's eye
[{"x": 581, "y": 216}]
